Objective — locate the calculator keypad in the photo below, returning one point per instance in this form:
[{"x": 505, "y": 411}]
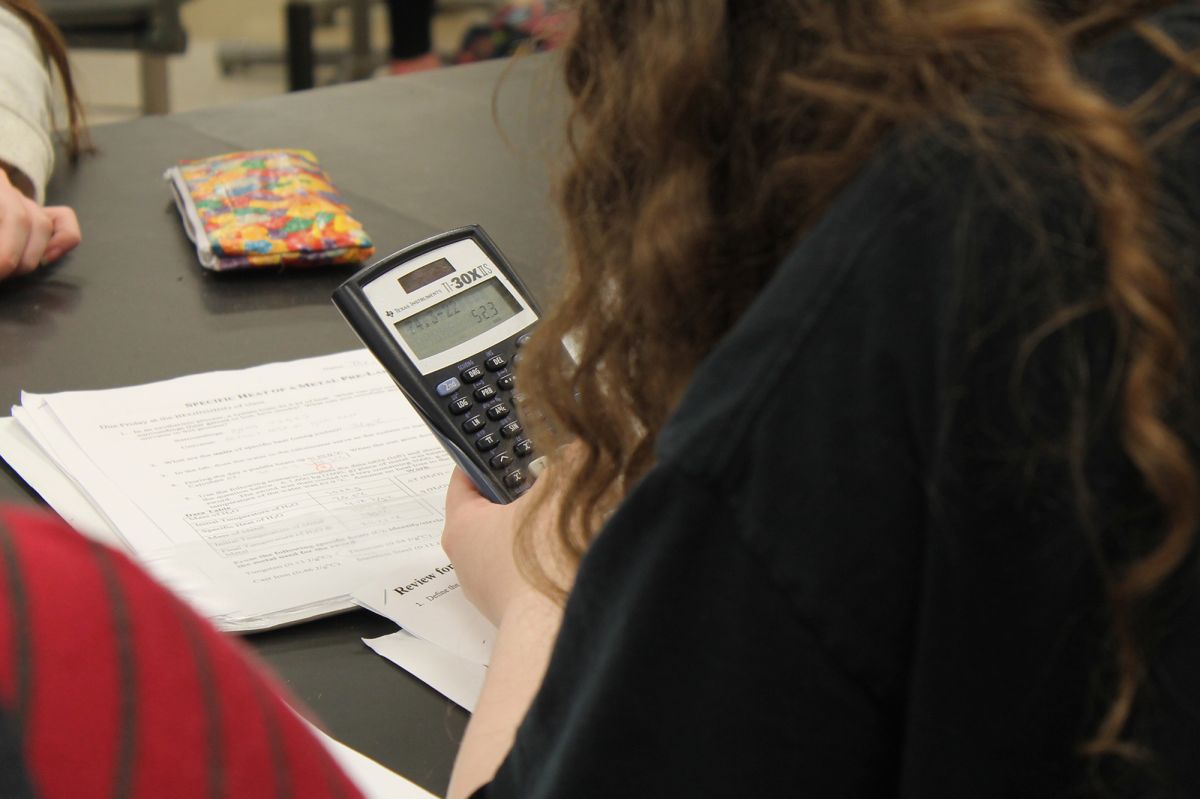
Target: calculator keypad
[{"x": 483, "y": 392}]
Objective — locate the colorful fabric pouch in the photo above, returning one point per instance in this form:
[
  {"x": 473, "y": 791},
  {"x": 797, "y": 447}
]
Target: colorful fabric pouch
[{"x": 265, "y": 208}]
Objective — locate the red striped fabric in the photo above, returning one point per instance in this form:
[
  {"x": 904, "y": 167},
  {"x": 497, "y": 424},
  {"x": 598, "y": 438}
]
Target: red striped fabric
[{"x": 117, "y": 689}]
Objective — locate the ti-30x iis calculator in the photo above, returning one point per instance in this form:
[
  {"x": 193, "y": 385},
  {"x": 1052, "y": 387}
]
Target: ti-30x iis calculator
[{"x": 447, "y": 318}]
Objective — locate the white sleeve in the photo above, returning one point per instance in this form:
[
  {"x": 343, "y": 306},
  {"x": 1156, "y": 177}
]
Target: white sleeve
[{"x": 26, "y": 96}]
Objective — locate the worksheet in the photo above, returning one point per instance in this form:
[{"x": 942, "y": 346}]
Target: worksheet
[
  {"x": 283, "y": 487},
  {"x": 425, "y": 598}
]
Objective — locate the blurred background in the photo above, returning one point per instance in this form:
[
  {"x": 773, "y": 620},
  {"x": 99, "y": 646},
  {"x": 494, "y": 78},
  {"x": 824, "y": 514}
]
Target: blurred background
[{"x": 237, "y": 50}]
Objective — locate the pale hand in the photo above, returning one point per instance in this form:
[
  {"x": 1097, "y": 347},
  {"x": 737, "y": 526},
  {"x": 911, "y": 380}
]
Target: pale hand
[
  {"x": 479, "y": 540},
  {"x": 478, "y": 537},
  {"x": 31, "y": 235}
]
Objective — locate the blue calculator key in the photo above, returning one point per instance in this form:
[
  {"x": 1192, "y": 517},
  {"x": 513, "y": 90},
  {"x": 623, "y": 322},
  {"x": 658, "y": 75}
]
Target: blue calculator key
[
  {"x": 460, "y": 405},
  {"x": 523, "y": 447},
  {"x": 495, "y": 363},
  {"x": 507, "y": 383},
  {"x": 448, "y": 387},
  {"x": 485, "y": 393},
  {"x": 471, "y": 374},
  {"x": 515, "y": 478},
  {"x": 511, "y": 429},
  {"x": 489, "y": 441},
  {"x": 473, "y": 424},
  {"x": 502, "y": 460},
  {"x": 497, "y": 411}
]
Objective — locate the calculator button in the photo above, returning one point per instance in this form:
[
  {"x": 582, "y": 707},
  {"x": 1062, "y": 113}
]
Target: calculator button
[
  {"x": 536, "y": 467},
  {"x": 485, "y": 393},
  {"x": 507, "y": 383},
  {"x": 448, "y": 387},
  {"x": 473, "y": 424},
  {"x": 489, "y": 441},
  {"x": 495, "y": 363},
  {"x": 471, "y": 374},
  {"x": 523, "y": 340},
  {"x": 515, "y": 478},
  {"x": 497, "y": 411},
  {"x": 460, "y": 405},
  {"x": 523, "y": 447},
  {"x": 502, "y": 460},
  {"x": 511, "y": 429}
]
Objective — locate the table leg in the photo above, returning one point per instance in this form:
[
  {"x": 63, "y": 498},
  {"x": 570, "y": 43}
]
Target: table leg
[
  {"x": 153, "y": 77},
  {"x": 363, "y": 62},
  {"x": 300, "y": 58}
]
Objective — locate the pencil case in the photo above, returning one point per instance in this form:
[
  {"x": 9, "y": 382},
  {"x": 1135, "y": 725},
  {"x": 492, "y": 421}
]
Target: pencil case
[{"x": 265, "y": 208}]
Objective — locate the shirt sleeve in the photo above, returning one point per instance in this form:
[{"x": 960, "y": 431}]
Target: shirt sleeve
[
  {"x": 112, "y": 687},
  {"x": 26, "y": 96},
  {"x": 681, "y": 671}
]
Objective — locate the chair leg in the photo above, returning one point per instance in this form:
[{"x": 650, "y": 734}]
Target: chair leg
[{"x": 153, "y": 69}]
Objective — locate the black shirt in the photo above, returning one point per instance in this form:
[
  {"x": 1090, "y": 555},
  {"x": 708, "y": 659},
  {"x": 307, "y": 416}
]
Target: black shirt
[{"x": 856, "y": 569}]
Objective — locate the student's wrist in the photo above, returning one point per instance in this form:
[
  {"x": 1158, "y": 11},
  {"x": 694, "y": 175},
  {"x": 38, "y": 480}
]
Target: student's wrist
[{"x": 530, "y": 607}]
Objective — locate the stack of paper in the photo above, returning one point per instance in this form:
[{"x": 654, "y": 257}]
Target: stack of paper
[
  {"x": 264, "y": 496},
  {"x": 445, "y": 642}
]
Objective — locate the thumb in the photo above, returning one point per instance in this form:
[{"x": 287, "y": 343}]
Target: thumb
[
  {"x": 66, "y": 234},
  {"x": 461, "y": 490}
]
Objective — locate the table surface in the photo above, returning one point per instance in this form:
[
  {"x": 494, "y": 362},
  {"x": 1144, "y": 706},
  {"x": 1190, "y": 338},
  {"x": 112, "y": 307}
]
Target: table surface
[{"x": 413, "y": 156}]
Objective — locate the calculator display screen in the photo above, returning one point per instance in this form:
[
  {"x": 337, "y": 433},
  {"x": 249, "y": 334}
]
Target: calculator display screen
[{"x": 460, "y": 318}]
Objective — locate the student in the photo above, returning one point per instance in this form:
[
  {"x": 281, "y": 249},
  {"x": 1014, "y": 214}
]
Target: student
[
  {"x": 880, "y": 449},
  {"x": 31, "y": 233},
  {"x": 110, "y": 686},
  {"x": 410, "y": 25}
]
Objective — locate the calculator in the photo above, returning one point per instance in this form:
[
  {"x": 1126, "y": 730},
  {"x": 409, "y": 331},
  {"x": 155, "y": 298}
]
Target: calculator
[{"x": 447, "y": 317}]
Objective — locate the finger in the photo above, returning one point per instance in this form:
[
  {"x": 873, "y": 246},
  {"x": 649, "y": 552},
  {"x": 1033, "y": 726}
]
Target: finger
[
  {"x": 66, "y": 235},
  {"x": 40, "y": 228},
  {"x": 14, "y": 232},
  {"x": 461, "y": 490}
]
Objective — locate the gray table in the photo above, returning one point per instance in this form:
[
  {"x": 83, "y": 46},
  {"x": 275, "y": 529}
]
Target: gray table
[{"x": 413, "y": 156}]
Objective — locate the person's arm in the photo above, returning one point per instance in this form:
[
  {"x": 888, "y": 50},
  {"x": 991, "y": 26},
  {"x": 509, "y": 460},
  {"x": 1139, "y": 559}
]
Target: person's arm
[
  {"x": 26, "y": 97},
  {"x": 30, "y": 234},
  {"x": 479, "y": 540},
  {"x": 515, "y": 672}
]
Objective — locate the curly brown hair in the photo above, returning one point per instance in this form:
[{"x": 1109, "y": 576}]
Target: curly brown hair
[{"x": 706, "y": 137}]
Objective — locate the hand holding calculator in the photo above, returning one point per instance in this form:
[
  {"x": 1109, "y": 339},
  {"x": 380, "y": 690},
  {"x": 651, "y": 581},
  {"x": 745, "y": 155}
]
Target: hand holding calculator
[{"x": 447, "y": 317}]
